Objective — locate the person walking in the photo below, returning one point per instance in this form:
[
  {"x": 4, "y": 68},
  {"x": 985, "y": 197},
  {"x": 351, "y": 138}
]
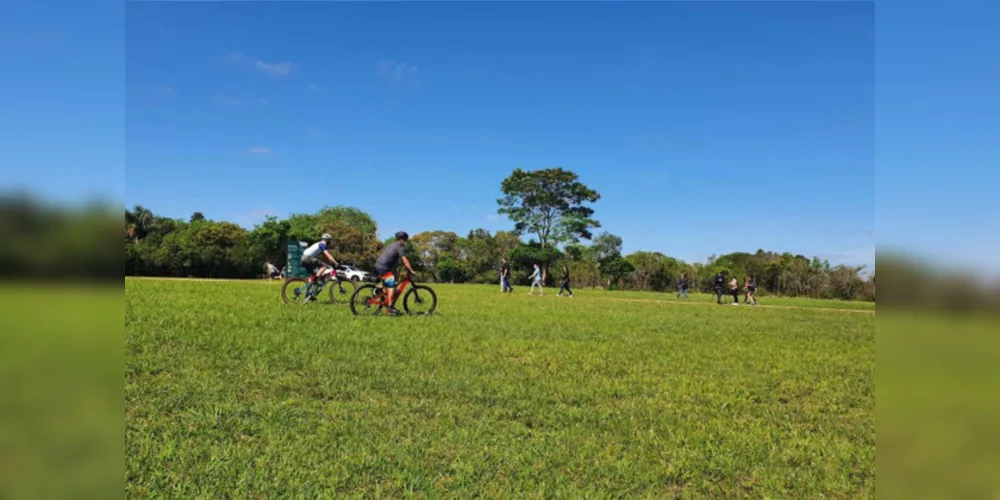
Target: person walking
[
  {"x": 683, "y": 287},
  {"x": 751, "y": 288},
  {"x": 734, "y": 288},
  {"x": 536, "y": 280},
  {"x": 565, "y": 282},
  {"x": 505, "y": 276},
  {"x": 720, "y": 287}
]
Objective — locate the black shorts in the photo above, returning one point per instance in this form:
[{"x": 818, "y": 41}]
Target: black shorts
[
  {"x": 752, "y": 289},
  {"x": 310, "y": 264}
]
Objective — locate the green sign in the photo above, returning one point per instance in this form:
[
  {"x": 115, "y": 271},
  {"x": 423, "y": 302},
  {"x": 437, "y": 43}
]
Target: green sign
[{"x": 293, "y": 250}]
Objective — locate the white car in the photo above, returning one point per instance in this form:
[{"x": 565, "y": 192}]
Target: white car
[{"x": 355, "y": 274}]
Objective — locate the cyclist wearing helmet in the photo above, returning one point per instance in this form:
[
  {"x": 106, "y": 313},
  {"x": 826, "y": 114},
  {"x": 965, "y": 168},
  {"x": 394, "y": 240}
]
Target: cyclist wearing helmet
[
  {"x": 310, "y": 258},
  {"x": 386, "y": 264}
]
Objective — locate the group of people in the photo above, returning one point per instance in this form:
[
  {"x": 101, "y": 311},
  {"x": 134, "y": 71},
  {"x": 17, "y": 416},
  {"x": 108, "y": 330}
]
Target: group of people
[
  {"x": 387, "y": 262},
  {"x": 683, "y": 285},
  {"x": 750, "y": 287},
  {"x": 385, "y": 266},
  {"x": 536, "y": 280}
]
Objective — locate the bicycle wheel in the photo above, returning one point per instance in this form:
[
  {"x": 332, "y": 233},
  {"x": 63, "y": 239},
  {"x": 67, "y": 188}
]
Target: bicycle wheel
[
  {"x": 341, "y": 291},
  {"x": 420, "y": 300},
  {"x": 293, "y": 291},
  {"x": 367, "y": 301}
]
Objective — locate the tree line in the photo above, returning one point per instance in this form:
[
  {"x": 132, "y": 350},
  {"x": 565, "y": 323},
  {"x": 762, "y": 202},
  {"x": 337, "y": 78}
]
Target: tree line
[{"x": 548, "y": 206}]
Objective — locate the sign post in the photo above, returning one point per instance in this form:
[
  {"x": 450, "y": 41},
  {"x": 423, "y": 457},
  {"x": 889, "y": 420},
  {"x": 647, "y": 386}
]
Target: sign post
[{"x": 293, "y": 251}]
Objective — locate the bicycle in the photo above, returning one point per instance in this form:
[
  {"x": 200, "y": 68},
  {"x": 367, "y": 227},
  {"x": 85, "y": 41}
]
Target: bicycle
[
  {"x": 371, "y": 299},
  {"x": 306, "y": 292}
]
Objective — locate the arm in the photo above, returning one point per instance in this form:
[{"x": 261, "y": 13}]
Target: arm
[
  {"x": 330, "y": 257},
  {"x": 406, "y": 262}
]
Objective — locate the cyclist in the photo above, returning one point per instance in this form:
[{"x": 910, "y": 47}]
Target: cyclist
[
  {"x": 386, "y": 265},
  {"x": 310, "y": 258}
]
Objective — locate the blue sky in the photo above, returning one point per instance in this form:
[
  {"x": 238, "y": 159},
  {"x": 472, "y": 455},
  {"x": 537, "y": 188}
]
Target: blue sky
[{"x": 707, "y": 127}]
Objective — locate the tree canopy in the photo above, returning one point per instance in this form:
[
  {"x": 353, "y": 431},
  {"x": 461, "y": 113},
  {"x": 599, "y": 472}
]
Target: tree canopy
[{"x": 550, "y": 204}]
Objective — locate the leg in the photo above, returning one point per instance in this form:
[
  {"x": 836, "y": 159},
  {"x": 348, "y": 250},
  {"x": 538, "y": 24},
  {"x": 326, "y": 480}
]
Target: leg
[
  {"x": 310, "y": 268},
  {"x": 389, "y": 285}
]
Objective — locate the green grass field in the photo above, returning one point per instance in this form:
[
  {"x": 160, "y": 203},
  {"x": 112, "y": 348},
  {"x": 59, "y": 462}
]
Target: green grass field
[{"x": 231, "y": 393}]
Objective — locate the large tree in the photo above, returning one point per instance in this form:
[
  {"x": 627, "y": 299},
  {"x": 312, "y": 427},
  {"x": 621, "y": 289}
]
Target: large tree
[
  {"x": 266, "y": 243},
  {"x": 607, "y": 250},
  {"x": 433, "y": 248},
  {"x": 549, "y": 203}
]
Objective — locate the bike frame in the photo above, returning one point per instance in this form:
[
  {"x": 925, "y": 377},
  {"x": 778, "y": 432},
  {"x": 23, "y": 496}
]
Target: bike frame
[
  {"x": 322, "y": 277},
  {"x": 400, "y": 288}
]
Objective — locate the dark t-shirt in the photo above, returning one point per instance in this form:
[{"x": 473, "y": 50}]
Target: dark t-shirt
[
  {"x": 390, "y": 258},
  {"x": 505, "y": 269},
  {"x": 565, "y": 274},
  {"x": 684, "y": 282}
]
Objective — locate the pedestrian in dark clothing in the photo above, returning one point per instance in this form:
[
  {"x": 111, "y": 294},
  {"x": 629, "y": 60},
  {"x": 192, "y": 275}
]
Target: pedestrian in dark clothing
[
  {"x": 505, "y": 277},
  {"x": 751, "y": 290},
  {"x": 565, "y": 282},
  {"x": 720, "y": 287},
  {"x": 683, "y": 287}
]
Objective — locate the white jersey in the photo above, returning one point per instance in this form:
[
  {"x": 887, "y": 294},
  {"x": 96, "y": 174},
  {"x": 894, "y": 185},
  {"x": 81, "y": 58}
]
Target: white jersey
[{"x": 315, "y": 249}]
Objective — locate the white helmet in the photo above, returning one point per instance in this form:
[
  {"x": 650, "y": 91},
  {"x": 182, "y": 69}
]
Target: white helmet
[{"x": 326, "y": 236}]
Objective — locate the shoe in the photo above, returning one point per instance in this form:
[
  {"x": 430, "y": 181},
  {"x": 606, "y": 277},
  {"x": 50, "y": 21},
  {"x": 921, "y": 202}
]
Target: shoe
[{"x": 392, "y": 311}]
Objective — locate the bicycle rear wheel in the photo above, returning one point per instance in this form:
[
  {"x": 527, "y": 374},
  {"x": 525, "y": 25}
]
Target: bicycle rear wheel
[
  {"x": 366, "y": 301},
  {"x": 341, "y": 291},
  {"x": 293, "y": 291},
  {"x": 420, "y": 301}
]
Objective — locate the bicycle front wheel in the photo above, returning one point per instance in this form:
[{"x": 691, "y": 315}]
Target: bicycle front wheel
[
  {"x": 420, "y": 300},
  {"x": 366, "y": 301},
  {"x": 341, "y": 291},
  {"x": 293, "y": 291}
]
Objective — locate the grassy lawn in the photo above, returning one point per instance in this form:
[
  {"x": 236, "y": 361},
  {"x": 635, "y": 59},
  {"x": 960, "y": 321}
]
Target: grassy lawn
[{"x": 230, "y": 393}]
